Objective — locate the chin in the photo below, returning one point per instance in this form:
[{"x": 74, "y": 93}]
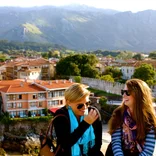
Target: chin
[
  {"x": 126, "y": 104},
  {"x": 82, "y": 113}
]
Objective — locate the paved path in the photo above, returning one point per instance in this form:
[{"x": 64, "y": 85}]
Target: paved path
[{"x": 106, "y": 140}]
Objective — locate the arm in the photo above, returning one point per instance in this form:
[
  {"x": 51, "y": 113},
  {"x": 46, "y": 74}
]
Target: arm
[
  {"x": 116, "y": 143},
  {"x": 149, "y": 145},
  {"x": 64, "y": 137}
]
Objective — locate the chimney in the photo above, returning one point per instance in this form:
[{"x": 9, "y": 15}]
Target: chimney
[
  {"x": 70, "y": 80},
  {"x": 25, "y": 79},
  {"x": 21, "y": 84}
]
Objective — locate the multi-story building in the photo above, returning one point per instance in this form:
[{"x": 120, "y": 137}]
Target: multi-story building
[
  {"x": 20, "y": 97},
  {"x": 33, "y": 69}
]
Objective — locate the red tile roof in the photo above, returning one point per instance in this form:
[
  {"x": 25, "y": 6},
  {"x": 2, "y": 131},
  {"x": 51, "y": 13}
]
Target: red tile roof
[{"x": 20, "y": 85}]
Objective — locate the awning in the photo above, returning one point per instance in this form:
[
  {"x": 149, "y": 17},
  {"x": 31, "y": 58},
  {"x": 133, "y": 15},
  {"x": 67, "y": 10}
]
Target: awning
[{"x": 54, "y": 109}]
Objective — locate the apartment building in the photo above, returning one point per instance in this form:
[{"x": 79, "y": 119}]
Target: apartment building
[
  {"x": 20, "y": 97},
  {"x": 20, "y": 68}
]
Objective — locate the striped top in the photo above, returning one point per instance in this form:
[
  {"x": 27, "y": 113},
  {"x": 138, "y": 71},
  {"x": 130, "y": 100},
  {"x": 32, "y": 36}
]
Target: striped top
[{"x": 148, "y": 148}]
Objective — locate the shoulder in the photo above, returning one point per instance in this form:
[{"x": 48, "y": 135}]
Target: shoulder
[
  {"x": 61, "y": 110},
  {"x": 118, "y": 111}
]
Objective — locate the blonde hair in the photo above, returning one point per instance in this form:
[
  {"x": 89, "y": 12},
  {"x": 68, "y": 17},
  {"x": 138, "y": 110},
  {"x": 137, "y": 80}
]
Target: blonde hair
[
  {"x": 76, "y": 92},
  {"x": 143, "y": 111}
]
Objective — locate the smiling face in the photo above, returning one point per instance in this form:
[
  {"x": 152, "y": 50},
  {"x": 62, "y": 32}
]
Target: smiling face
[
  {"x": 81, "y": 111},
  {"x": 128, "y": 100}
]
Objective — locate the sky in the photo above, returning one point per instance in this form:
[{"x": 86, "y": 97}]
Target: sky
[{"x": 120, "y": 5}]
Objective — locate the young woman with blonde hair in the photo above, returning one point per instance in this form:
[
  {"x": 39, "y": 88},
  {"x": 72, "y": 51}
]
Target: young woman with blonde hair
[
  {"x": 79, "y": 132},
  {"x": 133, "y": 124}
]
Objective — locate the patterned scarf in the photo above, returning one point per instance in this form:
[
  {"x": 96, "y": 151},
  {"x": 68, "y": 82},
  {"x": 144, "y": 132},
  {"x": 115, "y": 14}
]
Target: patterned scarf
[
  {"x": 87, "y": 139},
  {"x": 129, "y": 133}
]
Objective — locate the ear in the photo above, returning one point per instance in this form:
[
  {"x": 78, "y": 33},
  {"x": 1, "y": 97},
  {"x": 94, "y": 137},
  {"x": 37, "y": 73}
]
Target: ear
[{"x": 68, "y": 103}]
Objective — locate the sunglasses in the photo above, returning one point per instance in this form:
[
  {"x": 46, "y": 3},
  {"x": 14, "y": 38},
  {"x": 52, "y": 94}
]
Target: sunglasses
[
  {"x": 126, "y": 92},
  {"x": 80, "y": 105}
]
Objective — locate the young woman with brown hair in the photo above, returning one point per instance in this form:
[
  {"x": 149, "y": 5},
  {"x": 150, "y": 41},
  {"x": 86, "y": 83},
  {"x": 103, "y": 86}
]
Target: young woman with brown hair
[{"x": 133, "y": 124}]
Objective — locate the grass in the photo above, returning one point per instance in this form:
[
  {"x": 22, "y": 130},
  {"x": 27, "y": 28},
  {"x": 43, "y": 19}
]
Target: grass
[{"x": 100, "y": 92}]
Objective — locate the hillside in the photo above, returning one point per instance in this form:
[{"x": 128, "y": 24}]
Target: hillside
[{"x": 80, "y": 27}]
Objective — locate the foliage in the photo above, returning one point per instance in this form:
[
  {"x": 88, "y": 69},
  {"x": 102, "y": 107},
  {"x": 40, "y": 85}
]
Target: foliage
[
  {"x": 78, "y": 65},
  {"x": 78, "y": 79},
  {"x": 54, "y": 53},
  {"x": 138, "y": 57},
  {"x": 100, "y": 92},
  {"x": 34, "y": 119},
  {"x": 106, "y": 111},
  {"x": 29, "y": 114},
  {"x": 152, "y": 55},
  {"x": 32, "y": 28},
  {"x": 125, "y": 55},
  {"x": 108, "y": 78},
  {"x": 45, "y": 111},
  {"x": 114, "y": 72},
  {"x": 6, "y": 46},
  {"x": 103, "y": 101},
  {"x": 105, "y": 53},
  {"x": 146, "y": 73},
  {"x": 5, "y": 118},
  {"x": 3, "y": 57}
]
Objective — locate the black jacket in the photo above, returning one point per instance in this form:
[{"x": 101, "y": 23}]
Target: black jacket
[{"x": 67, "y": 139}]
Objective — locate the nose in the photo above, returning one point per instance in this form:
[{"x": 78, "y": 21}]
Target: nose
[{"x": 85, "y": 106}]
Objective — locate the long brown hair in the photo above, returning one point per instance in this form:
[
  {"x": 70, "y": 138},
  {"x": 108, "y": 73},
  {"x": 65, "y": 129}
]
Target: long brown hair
[{"x": 143, "y": 110}]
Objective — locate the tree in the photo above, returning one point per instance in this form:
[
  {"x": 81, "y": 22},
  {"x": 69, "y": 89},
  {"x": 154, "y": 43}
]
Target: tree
[
  {"x": 146, "y": 73},
  {"x": 114, "y": 72},
  {"x": 103, "y": 101},
  {"x": 108, "y": 78},
  {"x": 78, "y": 65},
  {"x": 45, "y": 55},
  {"x": 78, "y": 79},
  {"x": 66, "y": 67},
  {"x": 152, "y": 55},
  {"x": 138, "y": 57},
  {"x": 125, "y": 55}
]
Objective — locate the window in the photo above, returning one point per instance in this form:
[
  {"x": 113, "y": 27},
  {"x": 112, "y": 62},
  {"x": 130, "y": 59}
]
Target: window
[
  {"x": 19, "y": 105},
  {"x": 41, "y": 95},
  {"x": 34, "y": 96},
  {"x": 56, "y": 94},
  {"x": 53, "y": 103},
  {"x": 19, "y": 96},
  {"x": 14, "y": 105},
  {"x": 50, "y": 94},
  {"x": 9, "y": 105},
  {"x": 11, "y": 97},
  {"x": 32, "y": 104},
  {"x": 61, "y": 102},
  {"x": 61, "y": 93}
]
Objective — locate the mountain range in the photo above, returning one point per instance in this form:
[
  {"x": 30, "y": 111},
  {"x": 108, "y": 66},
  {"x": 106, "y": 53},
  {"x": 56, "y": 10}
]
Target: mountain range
[{"x": 80, "y": 27}]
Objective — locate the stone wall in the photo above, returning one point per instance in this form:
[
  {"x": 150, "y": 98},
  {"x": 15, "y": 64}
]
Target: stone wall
[
  {"x": 22, "y": 136},
  {"x": 24, "y": 126},
  {"x": 109, "y": 87}
]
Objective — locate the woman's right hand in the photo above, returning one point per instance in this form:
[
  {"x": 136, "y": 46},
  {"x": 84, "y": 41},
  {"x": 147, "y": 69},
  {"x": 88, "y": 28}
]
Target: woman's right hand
[{"x": 91, "y": 117}]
